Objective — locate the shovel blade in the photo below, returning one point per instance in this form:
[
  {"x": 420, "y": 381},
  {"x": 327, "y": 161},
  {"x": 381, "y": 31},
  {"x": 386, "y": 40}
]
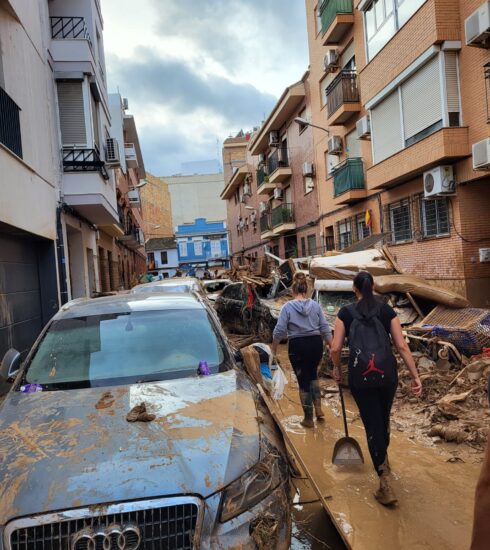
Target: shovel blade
[{"x": 347, "y": 451}]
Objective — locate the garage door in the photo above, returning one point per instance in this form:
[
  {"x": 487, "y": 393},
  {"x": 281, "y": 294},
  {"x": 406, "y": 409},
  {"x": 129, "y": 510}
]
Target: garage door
[{"x": 20, "y": 293}]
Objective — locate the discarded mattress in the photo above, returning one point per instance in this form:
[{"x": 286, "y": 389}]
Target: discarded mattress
[
  {"x": 420, "y": 288},
  {"x": 345, "y": 266}
]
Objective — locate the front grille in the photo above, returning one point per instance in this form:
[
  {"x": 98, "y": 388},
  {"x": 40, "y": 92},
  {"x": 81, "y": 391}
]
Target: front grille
[{"x": 166, "y": 527}]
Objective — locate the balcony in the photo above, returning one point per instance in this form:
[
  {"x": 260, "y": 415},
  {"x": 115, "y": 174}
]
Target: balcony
[
  {"x": 86, "y": 186},
  {"x": 264, "y": 186},
  {"x": 10, "y": 124},
  {"x": 348, "y": 181},
  {"x": 278, "y": 166},
  {"x": 265, "y": 226},
  {"x": 445, "y": 146},
  {"x": 131, "y": 156},
  {"x": 134, "y": 198},
  {"x": 133, "y": 237},
  {"x": 337, "y": 18},
  {"x": 239, "y": 176},
  {"x": 71, "y": 46},
  {"x": 343, "y": 99},
  {"x": 283, "y": 219}
]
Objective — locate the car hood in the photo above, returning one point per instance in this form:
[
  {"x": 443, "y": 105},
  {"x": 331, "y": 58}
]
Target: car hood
[{"x": 66, "y": 449}]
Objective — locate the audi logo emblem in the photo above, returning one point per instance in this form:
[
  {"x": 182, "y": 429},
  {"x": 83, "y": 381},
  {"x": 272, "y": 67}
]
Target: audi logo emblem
[{"x": 113, "y": 537}]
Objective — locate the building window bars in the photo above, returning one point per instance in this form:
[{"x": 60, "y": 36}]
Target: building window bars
[
  {"x": 70, "y": 28},
  {"x": 278, "y": 159},
  {"x": 434, "y": 217},
  {"x": 83, "y": 160},
  {"x": 343, "y": 89},
  {"x": 10, "y": 134}
]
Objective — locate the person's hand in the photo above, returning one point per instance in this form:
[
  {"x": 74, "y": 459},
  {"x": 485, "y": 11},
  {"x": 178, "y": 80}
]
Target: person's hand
[
  {"x": 337, "y": 374},
  {"x": 416, "y": 386}
]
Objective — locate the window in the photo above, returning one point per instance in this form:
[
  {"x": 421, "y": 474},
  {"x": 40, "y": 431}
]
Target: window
[
  {"x": 383, "y": 19},
  {"x": 363, "y": 230},
  {"x": 324, "y": 84},
  {"x": 164, "y": 257},
  {"x": 311, "y": 245},
  {"x": 198, "y": 248},
  {"x": 344, "y": 233},
  {"x": 353, "y": 144},
  {"x": 331, "y": 162},
  {"x": 305, "y": 115},
  {"x": 151, "y": 257},
  {"x": 183, "y": 249},
  {"x": 303, "y": 247},
  {"x": 400, "y": 221},
  {"x": 72, "y": 113},
  {"x": 215, "y": 248},
  {"x": 434, "y": 217}
]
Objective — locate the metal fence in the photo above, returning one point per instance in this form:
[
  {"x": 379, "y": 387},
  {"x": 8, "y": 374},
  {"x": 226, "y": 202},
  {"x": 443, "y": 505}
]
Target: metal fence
[
  {"x": 343, "y": 89},
  {"x": 10, "y": 134},
  {"x": 278, "y": 159}
]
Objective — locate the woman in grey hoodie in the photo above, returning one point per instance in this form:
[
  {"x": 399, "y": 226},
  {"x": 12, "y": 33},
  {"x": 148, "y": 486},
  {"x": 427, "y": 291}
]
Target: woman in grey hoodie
[{"x": 303, "y": 323}]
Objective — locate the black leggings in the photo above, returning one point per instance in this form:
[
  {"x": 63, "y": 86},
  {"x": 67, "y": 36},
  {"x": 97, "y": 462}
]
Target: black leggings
[
  {"x": 305, "y": 354},
  {"x": 375, "y": 407}
]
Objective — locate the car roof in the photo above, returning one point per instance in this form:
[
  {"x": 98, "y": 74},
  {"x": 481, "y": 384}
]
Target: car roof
[
  {"x": 177, "y": 281},
  {"x": 127, "y": 303}
]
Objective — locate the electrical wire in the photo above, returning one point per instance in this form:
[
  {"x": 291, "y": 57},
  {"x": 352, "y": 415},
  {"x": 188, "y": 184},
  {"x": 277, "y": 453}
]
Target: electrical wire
[{"x": 482, "y": 239}]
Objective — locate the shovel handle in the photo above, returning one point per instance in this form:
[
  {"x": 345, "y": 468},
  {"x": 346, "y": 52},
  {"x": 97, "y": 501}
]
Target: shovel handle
[{"x": 341, "y": 393}]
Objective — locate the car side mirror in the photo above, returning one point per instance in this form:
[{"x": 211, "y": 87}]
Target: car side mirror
[{"x": 10, "y": 365}]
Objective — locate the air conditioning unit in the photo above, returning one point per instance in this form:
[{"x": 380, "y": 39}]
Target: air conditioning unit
[
  {"x": 309, "y": 185},
  {"x": 261, "y": 158},
  {"x": 274, "y": 138},
  {"x": 241, "y": 224},
  {"x": 125, "y": 103},
  {"x": 481, "y": 155},
  {"x": 334, "y": 145},
  {"x": 439, "y": 181},
  {"x": 477, "y": 27},
  {"x": 363, "y": 127},
  {"x": 263, "y": 207},
  {"x": 330, "y": 61},
  {"x": 134, "y": 196},
  {"x": 247, "y": 190},
  {"x": 308, "y": 169},
  {"x": 278, "y": 194},
  {"x": 253, "y": 217},
  {"x": 112, "y": 152}
]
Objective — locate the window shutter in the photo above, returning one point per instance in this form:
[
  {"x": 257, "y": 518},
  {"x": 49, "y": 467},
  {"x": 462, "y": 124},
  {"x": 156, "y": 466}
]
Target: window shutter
[
  {"x": 386, "y": 128},
  {"x": 72, "y": 113},
  {"x": 421, "y": 99},
  {"x": 451, "y": 61}
]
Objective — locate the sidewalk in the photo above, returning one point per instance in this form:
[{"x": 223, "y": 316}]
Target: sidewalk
[{"x": 435, "y": 496}]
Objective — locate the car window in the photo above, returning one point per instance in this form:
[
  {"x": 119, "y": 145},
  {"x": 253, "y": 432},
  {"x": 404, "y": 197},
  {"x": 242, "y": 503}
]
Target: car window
[
  {"x": 125, "y": 347},
  {"x": 215, "y": 287},
  {"x": 167, "y": 288},
  {"x": 234, "y": 292}
]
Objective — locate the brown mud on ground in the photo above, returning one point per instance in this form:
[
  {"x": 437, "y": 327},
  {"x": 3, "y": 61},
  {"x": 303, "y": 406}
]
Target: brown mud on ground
[{"x": 433, "y": 513}]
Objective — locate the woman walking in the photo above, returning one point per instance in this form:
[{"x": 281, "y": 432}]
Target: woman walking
[
  {"x": 302, "y": 321},
  {"x": 373, "y": 374}
]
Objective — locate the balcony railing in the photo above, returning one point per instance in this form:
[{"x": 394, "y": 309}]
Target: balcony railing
[
  {"x": 282, "y": 214},
  {"x": 342, "y": 90},
  {"x": 331, "y": 8},
  {"x": 261, "y": 175},
  {"x": 10, "y": 124},
  {"x": 83, "y": 160},
  {"x": 278, "y": 159},
  {"x": 70, "y": 28},
  {"x": 265, "y": 222},
  {"x": 348, "y": 176}
]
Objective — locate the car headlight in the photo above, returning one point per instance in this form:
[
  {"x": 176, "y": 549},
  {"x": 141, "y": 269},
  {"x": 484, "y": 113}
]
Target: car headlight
[{"x": 251, "y": 488}]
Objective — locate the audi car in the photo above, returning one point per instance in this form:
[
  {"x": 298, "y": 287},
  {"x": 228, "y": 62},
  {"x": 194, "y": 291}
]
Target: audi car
[{"x": 130, "y": 425}]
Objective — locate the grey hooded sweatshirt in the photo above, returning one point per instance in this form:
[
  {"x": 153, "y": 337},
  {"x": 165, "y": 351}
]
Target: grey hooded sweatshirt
[{"x": 300, "y": 318}]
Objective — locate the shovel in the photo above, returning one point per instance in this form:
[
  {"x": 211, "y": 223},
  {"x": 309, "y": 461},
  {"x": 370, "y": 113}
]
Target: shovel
[{"x": 347, "y": 450}]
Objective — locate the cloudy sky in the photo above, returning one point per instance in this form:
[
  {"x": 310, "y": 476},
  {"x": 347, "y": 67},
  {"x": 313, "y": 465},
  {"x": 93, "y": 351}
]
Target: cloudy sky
[{"x": 196, "y": 71}]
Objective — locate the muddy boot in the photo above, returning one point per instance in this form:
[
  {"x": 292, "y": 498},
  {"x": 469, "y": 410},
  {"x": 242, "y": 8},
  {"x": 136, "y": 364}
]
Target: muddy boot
[
  {"x": 307, "y": 403},
  {"x": 385, "y": 494},
  {"x": 317, "y": 400}
]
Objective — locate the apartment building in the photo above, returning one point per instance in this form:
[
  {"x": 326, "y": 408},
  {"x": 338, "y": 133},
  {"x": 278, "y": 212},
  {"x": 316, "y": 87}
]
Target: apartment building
[
  {"x": 157, "y": 208},
  {"x": 272, "y": 197},
  {"x": 402, "y": 88},
  {"x": 29, "y": 176}
]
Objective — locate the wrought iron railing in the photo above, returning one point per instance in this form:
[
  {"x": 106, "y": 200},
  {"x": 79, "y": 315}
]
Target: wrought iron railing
[
  {"x": 10, "y": 134},
  {"x": 348, "y": 175},
  {"x": 70, "y": 27},
  {"x": 343, "y": 89},
  {"x": 278, "y": 159},
  {"x": 83, "y": 160},
  {"x": 261, "y": 176},
  {"x": 282, "y": 214},
  {"x": 329, "y": 9},
  {"x": 265, "y": 222}
]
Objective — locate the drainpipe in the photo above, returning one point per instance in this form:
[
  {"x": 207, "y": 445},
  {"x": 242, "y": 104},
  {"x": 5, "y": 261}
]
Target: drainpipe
[{"x": 60, "y": 252}]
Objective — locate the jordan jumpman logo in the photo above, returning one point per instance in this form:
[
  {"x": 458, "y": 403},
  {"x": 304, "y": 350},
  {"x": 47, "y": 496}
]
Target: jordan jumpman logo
[{"x": 372, "y": 368}]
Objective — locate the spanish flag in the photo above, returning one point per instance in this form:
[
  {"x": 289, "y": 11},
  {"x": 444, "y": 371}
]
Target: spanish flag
[{"x": 368, "y": 219}]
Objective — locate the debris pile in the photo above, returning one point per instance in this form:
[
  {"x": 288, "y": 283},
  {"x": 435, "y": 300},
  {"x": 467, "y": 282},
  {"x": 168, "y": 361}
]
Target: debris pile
[{"x": 264, "y": 531}]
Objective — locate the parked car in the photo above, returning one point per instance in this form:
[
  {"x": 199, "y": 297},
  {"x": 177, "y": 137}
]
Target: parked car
[
  {"x": 260, "y": 318},
  {"x": 333, "y": 295},
  {"x": 76, "y": 474},
  {"x": 176, "y": 285},
  {"x": 214, "y": 287}
]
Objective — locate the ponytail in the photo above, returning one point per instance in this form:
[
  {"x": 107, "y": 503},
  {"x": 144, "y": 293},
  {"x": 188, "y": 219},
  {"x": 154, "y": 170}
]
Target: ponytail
[
  {"x": 300, "y": 284},
  {"x": 364, "y": 283}
]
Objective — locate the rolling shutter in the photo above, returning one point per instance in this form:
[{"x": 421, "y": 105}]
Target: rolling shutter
[
  {"x": 386, "y": 128},
  {"x": 72, "y": 113},
  {"x": 452, "y": 87},
  {"x": 421, "y": 99}
]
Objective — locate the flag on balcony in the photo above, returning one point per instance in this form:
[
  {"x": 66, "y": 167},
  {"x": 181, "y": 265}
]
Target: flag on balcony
[{"x": 368, "y": 219}]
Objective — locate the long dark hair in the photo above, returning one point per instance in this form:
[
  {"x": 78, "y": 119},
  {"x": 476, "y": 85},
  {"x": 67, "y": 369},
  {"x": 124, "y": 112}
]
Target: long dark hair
[
  {"x": 300, "y": 283},
  {"x": 364, "y": 283}
]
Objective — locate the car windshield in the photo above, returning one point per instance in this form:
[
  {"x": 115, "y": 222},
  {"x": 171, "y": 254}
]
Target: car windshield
[
  {"x": 125, "y": 348},
  {"x": 166, "y": 288}
]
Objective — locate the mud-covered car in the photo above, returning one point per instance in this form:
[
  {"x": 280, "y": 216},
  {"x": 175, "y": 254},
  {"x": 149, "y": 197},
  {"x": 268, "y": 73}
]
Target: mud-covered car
[
  {"x": 243, "y": 311},
  {"x": 199, "y": 469},
  {"x": 176, "y": 285},
  {"x": 214, "y": 287}
]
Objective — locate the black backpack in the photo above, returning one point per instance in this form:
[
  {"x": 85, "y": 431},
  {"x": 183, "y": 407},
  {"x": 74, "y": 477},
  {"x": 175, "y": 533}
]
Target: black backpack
[{"x": 372, "y": 363}]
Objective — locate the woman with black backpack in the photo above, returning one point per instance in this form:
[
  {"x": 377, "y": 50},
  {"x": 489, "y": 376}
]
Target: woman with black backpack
[{"x": 373, "y": 372}]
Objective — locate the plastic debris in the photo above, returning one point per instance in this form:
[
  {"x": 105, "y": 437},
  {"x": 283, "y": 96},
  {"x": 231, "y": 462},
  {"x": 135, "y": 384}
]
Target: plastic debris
[{"x": 31, "y": 388}]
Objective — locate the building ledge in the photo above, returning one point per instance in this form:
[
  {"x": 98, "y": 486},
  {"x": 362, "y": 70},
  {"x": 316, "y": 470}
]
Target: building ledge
[
  {"x": 338, "y": 28},
  {"x": 351, "y": 196},
  {"x": 266, "y": 188},
  {"x": 343, "y": 114},
  {"x": 445, "y": 145},
  {"x": 237, "y": 179},
  {"x": 267, "y": 235},
  {"x": 113, "y": 230},
  {"x": 280, "y": 175},
  {"x": 284, "y": 228}
]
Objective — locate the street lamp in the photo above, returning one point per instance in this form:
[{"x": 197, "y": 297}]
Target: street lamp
[{"x": 304, "y": 122}]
